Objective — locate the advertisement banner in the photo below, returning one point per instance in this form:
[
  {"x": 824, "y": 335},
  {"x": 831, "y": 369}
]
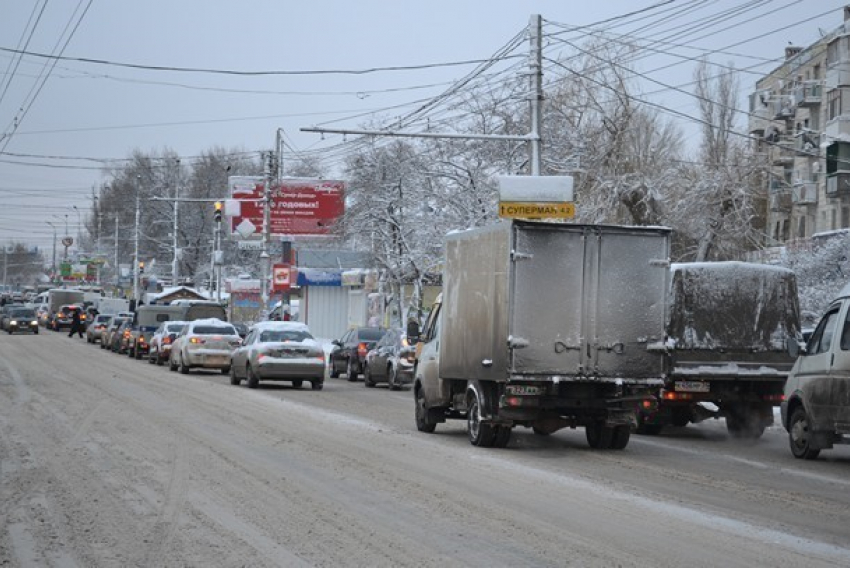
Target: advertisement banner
[
  {"x": 280, "y": 278},
  {"x": 298, "y": 207}
]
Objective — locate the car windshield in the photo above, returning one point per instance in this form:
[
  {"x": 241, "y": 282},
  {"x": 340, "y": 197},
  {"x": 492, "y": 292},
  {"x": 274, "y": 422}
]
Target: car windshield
[
  {"x": 371, "y": 334},
  {"x": 23, "y": 314},
  {"x": 214, "y": 330},
  {"x": 175, "y": 328},
  {"x": 280, "y": 335}
]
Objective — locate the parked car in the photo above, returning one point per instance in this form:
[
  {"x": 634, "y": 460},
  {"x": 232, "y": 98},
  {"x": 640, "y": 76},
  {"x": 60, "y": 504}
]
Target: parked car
[
  {"x": 205, "y": 343},
  {"x": 94, "y": 331},
  {"x": 108, "y": 335},
  {"x": 162, "y": 340},
  {"x": 119, "y": 339},
  {"x": 6, "y": 311},
  {"x": 279, "y": 351},
  {"x": 349, "y": 352},
  {"x": 64, "y": 316},
  {"x": 816, "y": 409},
  {"x": 21, "y": 320},
  {"x": 391, "y": 361}
]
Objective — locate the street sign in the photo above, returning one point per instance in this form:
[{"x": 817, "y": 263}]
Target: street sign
[
  {"x": 543, "y": 210},
  {"x": 250, "y": 245},
  {"x": 280, "y": 278}
]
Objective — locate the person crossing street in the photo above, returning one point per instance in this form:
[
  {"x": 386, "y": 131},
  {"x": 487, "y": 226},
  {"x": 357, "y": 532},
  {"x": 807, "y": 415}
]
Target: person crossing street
[{"x": 76, "y": 324}]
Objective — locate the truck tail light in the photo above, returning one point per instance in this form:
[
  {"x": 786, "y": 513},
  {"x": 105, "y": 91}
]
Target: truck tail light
[
  {"x": 671, "y": 395},
  {"x": 774, "y": 397}
]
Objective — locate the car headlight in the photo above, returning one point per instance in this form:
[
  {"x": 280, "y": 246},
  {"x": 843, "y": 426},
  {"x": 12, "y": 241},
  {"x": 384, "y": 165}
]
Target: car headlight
[{"x": 13, "y": 322}]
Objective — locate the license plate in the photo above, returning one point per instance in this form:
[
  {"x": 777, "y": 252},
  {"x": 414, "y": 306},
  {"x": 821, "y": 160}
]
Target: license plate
[
  {"x": 524, "y": 390},
  {"x": 692, "y": 386}
]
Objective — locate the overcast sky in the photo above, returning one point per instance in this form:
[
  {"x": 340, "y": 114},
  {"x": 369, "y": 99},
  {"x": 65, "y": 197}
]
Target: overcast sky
[{"x": 60, "y": 132}]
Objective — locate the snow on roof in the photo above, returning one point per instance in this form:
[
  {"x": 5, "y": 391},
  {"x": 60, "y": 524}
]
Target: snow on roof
[
  {"x": 281, "y": 326},
  {"x": 173, "y": 289}
]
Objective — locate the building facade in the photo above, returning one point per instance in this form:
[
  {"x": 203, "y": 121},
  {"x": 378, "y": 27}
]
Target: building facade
[{"x": 800, "y": 122}]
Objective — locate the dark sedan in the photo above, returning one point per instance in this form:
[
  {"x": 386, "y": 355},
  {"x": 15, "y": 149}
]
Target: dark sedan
[
  {"x": 391, "y": 361},
  {"x": 349, "y": 352}
]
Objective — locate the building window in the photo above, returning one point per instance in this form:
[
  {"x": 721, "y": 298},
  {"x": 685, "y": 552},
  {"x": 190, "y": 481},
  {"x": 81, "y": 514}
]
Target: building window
[{"x": 833, "y": 99}]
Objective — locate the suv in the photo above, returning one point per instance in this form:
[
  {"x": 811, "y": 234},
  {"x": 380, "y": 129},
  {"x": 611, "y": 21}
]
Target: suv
[
  {"x": 816, "y": 409},
  {"x": 65, "y": 316},
  {"x": 349, "y": 352}
]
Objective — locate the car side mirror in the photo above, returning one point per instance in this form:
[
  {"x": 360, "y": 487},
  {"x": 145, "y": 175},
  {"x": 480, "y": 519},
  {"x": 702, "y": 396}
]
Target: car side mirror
[
  {"x": 796, "y": 348},
  {"x": 337, "y": 342}
]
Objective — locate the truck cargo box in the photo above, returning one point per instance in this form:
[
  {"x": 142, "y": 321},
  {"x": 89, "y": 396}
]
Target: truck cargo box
[{"x": 553, "y": 301}]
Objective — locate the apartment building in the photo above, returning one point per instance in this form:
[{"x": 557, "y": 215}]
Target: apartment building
[{"x": 800, "y": 121}]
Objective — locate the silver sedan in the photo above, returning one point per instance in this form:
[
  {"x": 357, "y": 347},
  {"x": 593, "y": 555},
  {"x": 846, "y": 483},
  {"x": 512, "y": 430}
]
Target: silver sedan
[{"x": 279, "y": 351}]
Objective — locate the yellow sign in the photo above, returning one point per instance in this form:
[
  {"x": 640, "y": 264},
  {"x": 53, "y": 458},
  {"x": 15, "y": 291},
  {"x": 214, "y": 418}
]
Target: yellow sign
[{"x": 542, "y": 210}]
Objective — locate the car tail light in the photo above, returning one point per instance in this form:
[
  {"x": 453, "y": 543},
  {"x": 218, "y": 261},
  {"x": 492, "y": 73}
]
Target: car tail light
[
  {"x": 362, "y": 349},
  {"x": 670, "y": 395},
  {"x": 166, "y": 341},
  {"x": 196, "y": 340},
  {"x": 774, "y": 397}
]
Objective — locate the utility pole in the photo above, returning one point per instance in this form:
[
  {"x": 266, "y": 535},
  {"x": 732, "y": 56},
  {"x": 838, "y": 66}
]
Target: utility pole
[
  {"x": 535, "y": 32},
  {"x": 175, "y": 266},
  {"x": 265, "y": 259},
  {"x": 117, "y": 270},
  {"x": 53, "y": 266},
  {"x": 136, "y": 253},
  {"x": 533, "y": 137}
]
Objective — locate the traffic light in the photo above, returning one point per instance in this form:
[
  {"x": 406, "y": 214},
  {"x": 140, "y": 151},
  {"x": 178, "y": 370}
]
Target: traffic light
[
  {"x": 217, "y": 214},
  {"x": 141, "y": 266}
]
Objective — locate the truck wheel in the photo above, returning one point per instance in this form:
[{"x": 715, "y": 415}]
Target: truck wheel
[
  {"x": 296, "y": 384},
  {"x": 598, "y": 435},
  {"x": 799, "y": 436},
  {"x": 367, "y": 377},
  {"x": 480, "y": 433},
  {"x": 424, "y": 423},
  {"x": 351, "y": 371},
  {"x": 620, "y": 438},
  {"x": 503, "y": 436}
]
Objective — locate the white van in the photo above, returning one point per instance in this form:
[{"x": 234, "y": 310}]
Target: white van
[{"x": 816, "y": 409}]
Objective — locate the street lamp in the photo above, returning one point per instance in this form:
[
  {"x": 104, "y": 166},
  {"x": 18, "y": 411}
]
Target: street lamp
[{"x": 79, "y": 228}]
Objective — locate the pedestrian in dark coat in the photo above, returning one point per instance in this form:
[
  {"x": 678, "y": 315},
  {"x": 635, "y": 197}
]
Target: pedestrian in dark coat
[{"x": 76, "y": 324}]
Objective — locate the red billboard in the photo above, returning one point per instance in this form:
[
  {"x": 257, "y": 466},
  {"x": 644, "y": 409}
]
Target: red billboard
[{"x": 299, "y": 207}]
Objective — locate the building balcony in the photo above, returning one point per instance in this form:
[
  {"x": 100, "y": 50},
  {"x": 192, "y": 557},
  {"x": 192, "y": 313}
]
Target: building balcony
[
  {"x": 783, "y": 107},
  {"x": 782, "y": 152},
  {"x": 838, "y": 75},
  {"x": 805, "y": 193},
  {"x": 780, "y": 201},
  {"x": 808, "y": 142},
  {"x": 808, "y": 94},
  {"x": 838, "y": 185},
  {"x": 838, "y": 128}
]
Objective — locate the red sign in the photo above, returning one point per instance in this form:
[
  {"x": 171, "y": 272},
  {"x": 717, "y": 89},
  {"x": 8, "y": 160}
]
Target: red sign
[
  {"x": 298, "y": 206},
  {"x": 280, "y": 278}
]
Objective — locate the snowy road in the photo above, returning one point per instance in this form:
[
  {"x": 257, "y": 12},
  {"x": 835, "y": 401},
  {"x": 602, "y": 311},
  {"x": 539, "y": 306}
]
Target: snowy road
[{"x": 107, "y": 461}]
